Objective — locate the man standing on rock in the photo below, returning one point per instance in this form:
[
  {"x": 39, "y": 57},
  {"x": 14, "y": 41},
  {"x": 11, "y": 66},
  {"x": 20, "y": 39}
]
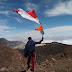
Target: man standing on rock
[{"x": 29, "y": 52}]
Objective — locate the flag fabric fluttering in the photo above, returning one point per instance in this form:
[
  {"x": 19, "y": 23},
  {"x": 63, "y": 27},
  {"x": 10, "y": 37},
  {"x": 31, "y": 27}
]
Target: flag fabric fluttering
[
  {"x": 40, "y": 29},
  {"x": 31, "y": 15}
]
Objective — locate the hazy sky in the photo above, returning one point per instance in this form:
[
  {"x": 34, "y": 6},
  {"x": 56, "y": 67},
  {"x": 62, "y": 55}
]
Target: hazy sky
[{"x": 55, "y": 16}]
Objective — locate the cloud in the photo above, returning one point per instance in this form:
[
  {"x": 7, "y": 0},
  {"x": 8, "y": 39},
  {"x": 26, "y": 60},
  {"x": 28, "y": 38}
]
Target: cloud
[
  {"x": 60, "y": 9},
  {"x": 4, "y": 7},
  {"x": 29, "y": 6},
  {"x": 60, "y": 28},
  {"x": 60, "y": 33},
  {"x": 69, "y": 41},
  {"x": 3, "y": 22},
  {"x": 19, "y": 20},
  {"x": 4, "y": 12},
  {"x": 57, "y": 32},
  {"x": 4, "y": 27},
  {"x": 3, "y": 1}
]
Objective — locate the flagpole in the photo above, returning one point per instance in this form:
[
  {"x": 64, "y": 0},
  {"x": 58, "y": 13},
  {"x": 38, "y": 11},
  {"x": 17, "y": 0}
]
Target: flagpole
[{"x": 41, "y": 24}]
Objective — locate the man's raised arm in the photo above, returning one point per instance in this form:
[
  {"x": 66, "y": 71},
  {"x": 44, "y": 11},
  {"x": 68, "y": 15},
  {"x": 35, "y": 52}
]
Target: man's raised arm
[{"x": 39, "y": 41}]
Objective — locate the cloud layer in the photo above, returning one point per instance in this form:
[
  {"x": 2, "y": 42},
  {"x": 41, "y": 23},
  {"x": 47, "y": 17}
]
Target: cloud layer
[
  {"x": 3, "y": 27},
  {"x": 4, "y": 12},
  {"x": 30, "y": 6},
  {"x": 59, "y": 34},
  {"x": 60, "y": 9}
]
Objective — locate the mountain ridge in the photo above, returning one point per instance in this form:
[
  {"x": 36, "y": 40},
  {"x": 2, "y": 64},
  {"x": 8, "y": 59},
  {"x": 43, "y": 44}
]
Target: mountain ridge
[{"x": 3, "y": 41}]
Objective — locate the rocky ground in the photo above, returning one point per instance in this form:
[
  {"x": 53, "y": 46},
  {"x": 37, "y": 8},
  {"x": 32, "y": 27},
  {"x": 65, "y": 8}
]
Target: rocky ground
[
  {"x": 52, "y": 57},
  {"x": 11, "y": 60},
  {"x": 62, "y": 65}
]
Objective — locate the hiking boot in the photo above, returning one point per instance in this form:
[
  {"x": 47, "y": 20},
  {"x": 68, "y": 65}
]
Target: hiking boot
[
  {"x": 23, "y": 71},
  {"x": 32, "y": 70},
  {"x": 28, "y": 66}
]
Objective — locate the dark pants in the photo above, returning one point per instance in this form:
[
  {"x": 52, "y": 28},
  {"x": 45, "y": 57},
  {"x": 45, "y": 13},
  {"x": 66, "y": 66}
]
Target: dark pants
[{"x": 32, "y": 59}]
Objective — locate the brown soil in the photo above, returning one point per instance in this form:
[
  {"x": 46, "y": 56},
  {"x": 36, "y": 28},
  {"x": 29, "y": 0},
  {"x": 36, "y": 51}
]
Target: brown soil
[{"x": 11, "y": 59}]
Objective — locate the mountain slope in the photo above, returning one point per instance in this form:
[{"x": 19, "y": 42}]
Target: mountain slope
[
  {"x": 11, "y": 59},
  {"x": 53, "y": 57},
  {"x": 49, "y": 50},
  {"x": 3, "y": 41}
]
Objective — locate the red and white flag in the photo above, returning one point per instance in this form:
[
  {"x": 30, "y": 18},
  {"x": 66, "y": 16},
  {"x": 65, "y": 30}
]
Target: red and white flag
[{"x": 28, "y": 15}]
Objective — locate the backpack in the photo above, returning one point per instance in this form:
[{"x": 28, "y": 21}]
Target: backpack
[
  {"x": 29, "y": 48},
  {"x": 28, "y": 54},
  {"x": 25, "y": 53}
]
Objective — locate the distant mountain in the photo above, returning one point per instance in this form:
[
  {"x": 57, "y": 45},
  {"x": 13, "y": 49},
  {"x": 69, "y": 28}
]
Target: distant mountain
[{"x": 5, "y": 42}]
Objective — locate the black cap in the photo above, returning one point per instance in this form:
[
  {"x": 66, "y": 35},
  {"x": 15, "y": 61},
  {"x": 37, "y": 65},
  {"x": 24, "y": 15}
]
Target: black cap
[{"x": 29, "y": 38}]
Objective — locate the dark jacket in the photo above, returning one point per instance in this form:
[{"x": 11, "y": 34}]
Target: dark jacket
[{"x": 30, "y": 47}]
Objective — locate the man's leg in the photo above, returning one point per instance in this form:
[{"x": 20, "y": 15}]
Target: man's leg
[
  {"x": 28, "y": 62},
  {"x": 33, "y": 61}
]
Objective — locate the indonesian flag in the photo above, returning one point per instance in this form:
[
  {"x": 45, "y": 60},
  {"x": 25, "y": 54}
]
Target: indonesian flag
[{"x": 31, "y": 15}]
